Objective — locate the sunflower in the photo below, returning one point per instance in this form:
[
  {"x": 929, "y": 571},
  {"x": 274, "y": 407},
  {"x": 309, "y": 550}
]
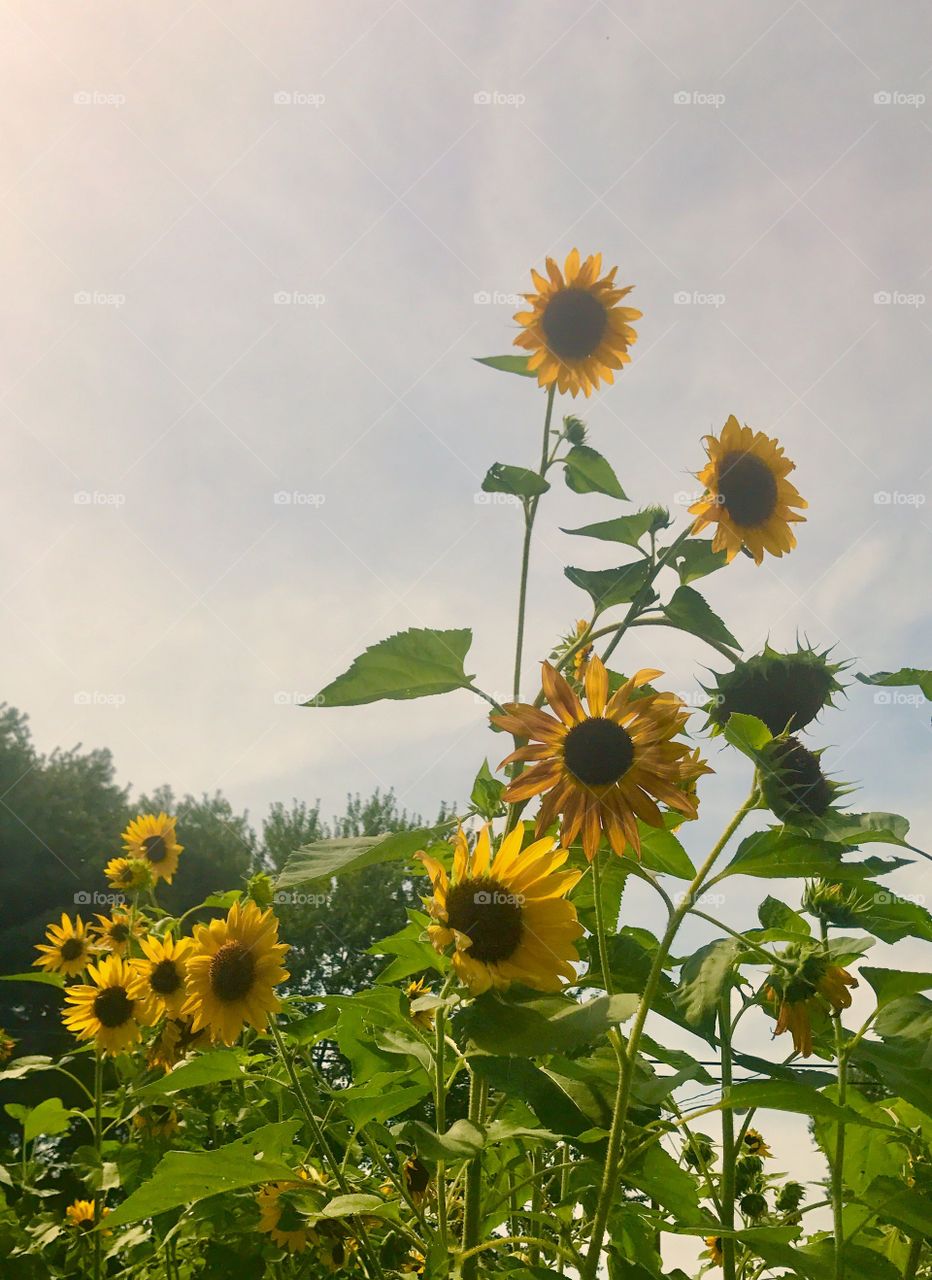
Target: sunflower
[
  {"x": 7, "y": 1047},
  {"x": 508, "y": 916},
  {"x": 747, "y": 494},
  {"x": 421, "y": 1017},
  {"x": 174, "y": 1042},
  {"x": 279, "y": 1215},
  {"x": 336, "y": 1247},
  {"x": 793, "y": 784},
  {"x": 416, "y": 1177},
  {"x": 80, "y": 1215},
  {"x": 128, "y": 874},
  {"x": 809, "y": 992},
  {"x": 232, "y": 971},
  {"x": 575, "y": 330},
  {"x": 604, "y": 769},
  {"x": 156, "y": 1122},
  {"x": 69, "y": 950},
  {"x": 116, "y": 931},
  {"x": 755, "y": 1145},
  {"x": 581, "y": 656},
  {"x": 713, "y": 1250},
  {"x": 153, "y": 839},
  {"x": 159, "y": 977},
  {"x": 105, "y": 1011},
  {"x": 784, "y": 690}
]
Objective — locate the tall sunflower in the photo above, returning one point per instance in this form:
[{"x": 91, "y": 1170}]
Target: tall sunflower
[
  {"x": 506, "y": 916},
  {"x": 159, "y": 977},
  {"x": 69, "y": 949},
  {"x": 747, "y": 493},
  {"x": 104, "y": 1011},
  {"x": 153, "y": 839},
  {"x": 604, "y": 768},
  {"x": 233, "y": 970},
  {"x": 575, "y": 330}
]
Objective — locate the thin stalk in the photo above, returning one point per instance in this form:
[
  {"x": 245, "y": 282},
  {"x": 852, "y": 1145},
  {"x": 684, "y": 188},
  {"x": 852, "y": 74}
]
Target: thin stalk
[
  {"x": 641, "y": 600},
  {"x": 440, "y": 1112},
  {"x": 478, "y": 1096},
  {"x": 98, "y": 1130},
  {"x": 530, "y": 512},
  {"x": 627, "y": 1060},
  {"x": 838, "y": 1163},
  {"x": 470, "y": 1254},
  {"x": 728, "y": 1138},
  {"x": 600, "y": 925}
]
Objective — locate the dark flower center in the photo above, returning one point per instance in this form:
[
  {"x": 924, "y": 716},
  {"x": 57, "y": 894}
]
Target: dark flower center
[
  {"x": 598, "y": 752},
  {"x": 748, "y": 488},
  {"x": 164, "y": 978},
  {"x": 232, "y": 971},
  {"x": 85, "y": 1224},
  {"x": 417, "y": 1177},
  {"x": 573, "y": 323},
  {"x": 71, "y": 948},
  {"x": 486, "y": 912},
  {"x": 155, "y": 848},
  {"x": 119, "y": 932},
  {"x": 800, "y": 778},
  {"x": 113, "y": 1007}
]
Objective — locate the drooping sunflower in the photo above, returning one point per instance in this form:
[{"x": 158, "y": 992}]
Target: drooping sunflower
[
  {"x": 785, "y": 690},
  {"x": 69, "y": 949},
  {"x": 575, "y": 330},
  {"x": 158, "y": 1122},
  {"x": 116, "y": 931},
  {"x": 713, "y": 1250},
  {"x": 104, "y": 1011},
  {"x": 174, "y": 1042},
  {"x": 80, "y": 1215},
  {"x": 755, "y": 1145},
  {"x": 158, "y": 981},
  {"x": 747, "y": 493},
  {"x": 507, "y": 916},
  {"x": 793, "y": 784},
  {"x": 128, "y": 874},
  {"x": 233, "y": 970},
  {"x": 604, "y": 768},
  {"x": 153, "y": 839},
  {"x": 421, "y": 1015},
  {"x": 416, "y": 1176},
  {"x": 810, "y": 992}
]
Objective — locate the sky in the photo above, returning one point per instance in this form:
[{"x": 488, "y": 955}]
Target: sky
[{"x": 250, "y": 253}]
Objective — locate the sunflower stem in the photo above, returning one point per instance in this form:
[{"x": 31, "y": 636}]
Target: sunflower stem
[
  {"x": 440, "y": 1113},
  {"x": 600, "y": 925},
  {"x": 478, "y": 1096},
  {"x": 98, "y": 1131},
  {"x": 627, "y": 1060},
  {"x": 643, "y": 598},
  {"x": 838, "y": 1163},
  {"x": 728, "y": 1137},
  {"x": 530, "y": 512}
]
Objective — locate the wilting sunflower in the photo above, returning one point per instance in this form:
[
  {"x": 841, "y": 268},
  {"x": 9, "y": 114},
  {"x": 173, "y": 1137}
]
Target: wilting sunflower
[
  {"x": 755, "y": 1145},
  {"x": 69, "y": 950},
  {"x": 233, "y": 970},
  {"x": 153, "y": 839},
  {"x": 156, "y": 1122},
  {"x": 747, "y": 493},
  {"x": 128, "y": 874},
  {"x": 116, "y": 931},
  {"x": 105, "y": 1011},
  {"x": 159, "y": 977},
  {"x": 507, "y": 917},
  {"x": 416, "y": 1178},
  {"x": 713, "y": 1250},
  {"x": 793, "y": 784},
  {"x": 174, "y": 1042},
  {"x": 813, "y": 990},
  {"x": 80, "y": 1215},
  {"x": 575, "y": 330},
  {"x": 604, "y": 768},
  {"x": 785, "y": 690},
  {"x": 280, "y": 1217},
  {"x": 421, "y": 1017},
  {"x": 336, "y": 1248}
]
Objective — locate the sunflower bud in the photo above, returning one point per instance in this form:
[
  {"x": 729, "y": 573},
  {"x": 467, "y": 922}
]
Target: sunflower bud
[
  {"x": 747, "y": 1170},
  {"x": 837, "y": 904},
  {"x": 784, "y": 690},
  {"x": 699, "y": 1152},
  {"x": 794, "y": 786},
  {"x": 574, "y": 429},
  {"x": 790, "y": 1197},
  {"x": 753, "y": 1205},
  {"x": 259, "y": 888}
]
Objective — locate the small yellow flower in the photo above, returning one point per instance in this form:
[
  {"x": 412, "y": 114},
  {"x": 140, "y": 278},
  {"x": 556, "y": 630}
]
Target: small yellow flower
[
  {"x": 423, "y": 1018},
  {"x": 174, "y": 1042},
  {"x": 755, "y": 1145},
  {"x": 7, "y": 1046},
  {"x": 158, "y": 980},
  {"x": 104, "y": 1011},
  {"x": 129, "y": 875},
  {"x": 69, "y": 950},
  {"x": 156, "y": 1122},
  {"x": 581, "y": 656},
  {"x": 116, "y": 931},
  {"x": 713, "y": 1250},
  {"x": 152, "y": 839},
  {"x": 80, "y": 1215}
]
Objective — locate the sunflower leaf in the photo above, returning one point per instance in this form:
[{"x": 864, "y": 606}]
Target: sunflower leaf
[
  {"x": 40, "y": 975},
  {"x": 206, "y": 1069},
  {"x": 541, "y": 1024},
  {"x": 688, "y": 611},
  {"x": 410, "y": 664},
  {"x": 695, "y": 559},
  {"x": 316, "y": 863},
  {"x": 586, "y": 471},
  {"x": 609, "y": 587},
  {"x": 519, "y": 481},
  {"x": 891, "y": 984},
  {"x": 702, "y": 980},
  {"x": 915, "y": 677},
  {"x": 783, "y": 852},
  {"x": 628, "y": 530},
  {"x": 507, "y": 364}
]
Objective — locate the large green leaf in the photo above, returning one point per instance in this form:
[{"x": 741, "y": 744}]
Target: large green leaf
[
  {"x": 689, "y": 611},
  {"x": 206, "y": 1069},
  {"x": 541, "y": 1024},
  {"x": 316, "y": 863},
  {"x": 695, "y": 558},
  {"x": 518, "y": 481},
  {"x": 182, "y": 1178},
  {"x": 628, "y": 530},
  {"x": 661, "y": 851},
  {"x": 864, "y": 828},
  {"x": 890, "y": 984},
  {"x": 703, "y": 978},
  {"x": 748, "y": 734},
  {"x": 908, "y": 1209},
  {"x": 658, "y": 1175},
  {"x": 384, "y": 1097},
  {"x": 39, "y": 975},
  {"x": 781, "y": 852},
  {"x": 890, "y": 917},
  {"x": 915, "y": 677},
  {"x": 559, "y": 1104},
  {"x": 586, "y": 471},
  {"x": 507, "y": 364},
  {"x": 794, "y": 1096},
  {"x": 46, "y": 1120},
  {"x": 609, "y": 587},
  {"x": 410, "y": 664}
]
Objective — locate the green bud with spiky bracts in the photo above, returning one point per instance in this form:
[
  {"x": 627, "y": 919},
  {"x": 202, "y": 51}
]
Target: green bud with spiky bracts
[
  {"x": 790, "y": 1197},
  {"x": 699, "y": 1152},
  {"x": 794, "y": 787},
  {"x": 574, "y": 429},
  {"x": 841, "y": 905},
  {"x": 753, "y": 1205},
  {"x": 784, "y": 690},
  {"x": 747, "y": 1171}
]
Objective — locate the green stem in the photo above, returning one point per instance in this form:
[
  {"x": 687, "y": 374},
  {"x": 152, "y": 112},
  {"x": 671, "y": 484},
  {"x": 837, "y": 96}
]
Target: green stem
[
  {"x": 838, "y": 1163},
  {"x": 530, "y": 512},
  {"x": 600, "y": 925},
  {"x": 440, "y": 1112},
  {"x": 627, "y": 1060},
  {"x": 470, "y": 1254},
  {"x": 912, "y": 1259},
  {"x": 643, "y": 597},
  {"x": 652, "y": 621},
  {"x": 478, "y": 1096},
  {"x": 98, "y": 1129},
  {"x": 728, "y": 1137}
]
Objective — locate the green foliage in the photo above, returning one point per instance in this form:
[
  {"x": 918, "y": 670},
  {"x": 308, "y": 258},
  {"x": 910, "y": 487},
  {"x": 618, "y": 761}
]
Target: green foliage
[{"x": 411, "y": 664}]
